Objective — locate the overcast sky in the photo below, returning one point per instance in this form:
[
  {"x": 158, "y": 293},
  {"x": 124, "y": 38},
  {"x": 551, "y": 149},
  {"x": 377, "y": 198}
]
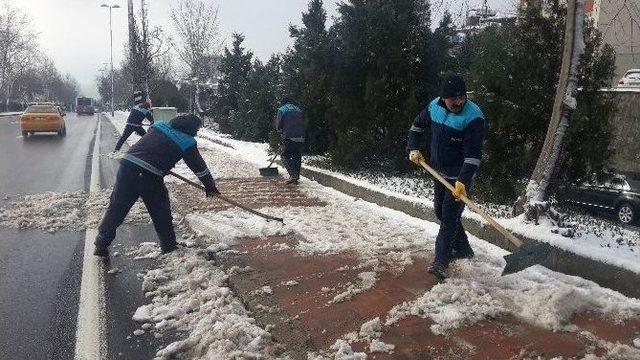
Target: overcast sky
[{"x": 75, "y": 33}]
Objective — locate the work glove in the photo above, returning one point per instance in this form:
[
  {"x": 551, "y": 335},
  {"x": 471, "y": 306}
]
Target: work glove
[
  {"x": 212, "y": 191},
  {"x": 416, "y": 156},
  {"x": 460, "y": 190}
]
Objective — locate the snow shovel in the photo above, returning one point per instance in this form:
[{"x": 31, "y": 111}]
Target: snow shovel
[
  {"x": 525, "y": 256},
  {"x": 227, "y": 200},
  {"x": 270, "y": 171}
]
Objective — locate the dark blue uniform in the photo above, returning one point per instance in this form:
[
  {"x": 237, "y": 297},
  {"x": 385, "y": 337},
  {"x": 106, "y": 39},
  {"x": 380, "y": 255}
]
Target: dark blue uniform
[
  {"x": 456, "y": 150},
  {"x": 134, "y": 124},
  {"x": 290, "y": 124},
  {"x": 141, "y": 176}
]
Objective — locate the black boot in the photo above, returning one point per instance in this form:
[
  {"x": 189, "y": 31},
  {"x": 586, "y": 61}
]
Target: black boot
[
  {"x": 438, "y": 270},
  {"x": 101, "y": 250}
]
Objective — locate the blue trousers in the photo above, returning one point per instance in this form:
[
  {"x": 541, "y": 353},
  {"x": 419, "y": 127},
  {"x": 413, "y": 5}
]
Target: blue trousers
[
  {"x": 451, "y": 236},
  {"x": 133, "y": 182}
]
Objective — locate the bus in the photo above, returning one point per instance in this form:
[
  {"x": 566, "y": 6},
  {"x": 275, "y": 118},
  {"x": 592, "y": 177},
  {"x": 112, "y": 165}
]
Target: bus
[{"x": 84, "y": 105}]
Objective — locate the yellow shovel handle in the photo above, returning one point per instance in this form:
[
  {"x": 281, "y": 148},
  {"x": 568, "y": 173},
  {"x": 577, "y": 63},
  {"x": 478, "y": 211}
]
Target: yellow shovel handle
[{"x": 517, "y": 242}]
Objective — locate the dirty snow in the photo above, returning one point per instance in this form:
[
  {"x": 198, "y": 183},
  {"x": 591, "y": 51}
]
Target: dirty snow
[
  {"x": 189, "y": 293},
  {"x": 51, "y": 212}
]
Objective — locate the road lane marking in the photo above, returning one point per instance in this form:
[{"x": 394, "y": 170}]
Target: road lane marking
[{"x": 90, "y": 328}]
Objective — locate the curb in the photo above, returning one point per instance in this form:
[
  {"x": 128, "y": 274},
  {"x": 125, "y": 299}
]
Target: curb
[{"x": 606, "y": 275}]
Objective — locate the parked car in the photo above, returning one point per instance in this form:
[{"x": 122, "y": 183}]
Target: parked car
[
  {"x": 42, "y": 117},
  {"x": 613, "y": 193},
  {"x": 630, "y": 79}
]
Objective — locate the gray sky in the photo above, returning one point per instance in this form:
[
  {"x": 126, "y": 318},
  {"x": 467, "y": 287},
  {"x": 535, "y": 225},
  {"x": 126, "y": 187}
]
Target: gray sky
[{"x": 75, "y": 33}]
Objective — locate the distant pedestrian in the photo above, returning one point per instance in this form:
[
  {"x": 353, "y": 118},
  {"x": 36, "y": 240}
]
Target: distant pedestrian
[
  {"x": 290, "y": 125},
  {"x": 139, "y": 112},
  {"x": 141, "y": 174},
  {"x": 457, "y": 130}
]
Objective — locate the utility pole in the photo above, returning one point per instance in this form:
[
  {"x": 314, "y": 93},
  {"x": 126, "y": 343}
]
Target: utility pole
[
  {"x": 111, "y": 47},
  {"x": 133, "y": 58}
]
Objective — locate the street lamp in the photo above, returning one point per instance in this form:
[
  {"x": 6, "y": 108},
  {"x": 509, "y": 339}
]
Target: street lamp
[{"x": 111, "y": 37}]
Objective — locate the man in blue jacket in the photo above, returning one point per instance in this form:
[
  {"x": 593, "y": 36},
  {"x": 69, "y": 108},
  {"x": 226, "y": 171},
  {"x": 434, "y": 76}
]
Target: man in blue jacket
[
  {"x": 134, "y": 122},
  {"x": 141, "y": 174},
  {"x": 457, "y": 130},
  {"x": 290, "y": 125}
]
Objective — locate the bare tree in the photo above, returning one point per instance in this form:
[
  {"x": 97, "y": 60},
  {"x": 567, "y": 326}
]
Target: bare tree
[
  {"x": 17, "y": 42},
  {"x": 534, "y": 203},
  {"x": 196, "y": 24},
  {"x": 146, "y": 47}
]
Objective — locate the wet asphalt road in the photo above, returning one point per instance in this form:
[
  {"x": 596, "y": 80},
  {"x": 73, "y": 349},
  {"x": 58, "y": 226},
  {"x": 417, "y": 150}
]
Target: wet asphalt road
[{"x": 40, "y": 273}]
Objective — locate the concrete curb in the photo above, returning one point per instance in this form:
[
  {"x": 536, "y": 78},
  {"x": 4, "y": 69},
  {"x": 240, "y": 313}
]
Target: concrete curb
[{"x": 606, "y": 275}]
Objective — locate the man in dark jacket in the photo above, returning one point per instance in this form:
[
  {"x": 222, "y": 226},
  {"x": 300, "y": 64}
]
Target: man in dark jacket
[
  {"x": 134, "y": 122},
  {"x": 141, "y": 174},
  {"x": 457, "y": 130},
  {"x": 290, "y": 125}
]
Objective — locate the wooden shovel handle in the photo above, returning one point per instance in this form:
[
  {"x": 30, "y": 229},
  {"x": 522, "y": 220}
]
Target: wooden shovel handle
[
  {"x": 517, "y": 242},
  {"x": 226, "y": 199}
]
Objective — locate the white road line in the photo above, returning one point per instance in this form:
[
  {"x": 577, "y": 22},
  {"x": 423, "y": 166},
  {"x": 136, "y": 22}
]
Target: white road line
[{"x": 90, "y": 328}]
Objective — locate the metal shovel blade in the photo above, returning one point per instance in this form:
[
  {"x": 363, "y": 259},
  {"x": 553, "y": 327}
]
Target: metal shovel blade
[
  {"x": 269, "y": 171},
  {"x": 527, "y": 255}
]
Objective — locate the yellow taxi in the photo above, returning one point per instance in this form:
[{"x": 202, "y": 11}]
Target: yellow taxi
[{"x": 43, "y": 117}]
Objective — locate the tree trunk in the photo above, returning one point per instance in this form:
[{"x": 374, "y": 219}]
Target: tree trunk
[{"x": 533, "y": 202}]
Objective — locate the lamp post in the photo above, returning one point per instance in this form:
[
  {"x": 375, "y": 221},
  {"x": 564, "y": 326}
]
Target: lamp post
[{"x": 111, "y": 47}]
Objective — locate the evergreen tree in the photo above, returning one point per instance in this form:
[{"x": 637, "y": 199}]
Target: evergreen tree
[
  {"x": 307, "y": 74},
  {"x": 514, "y": 72},
  {"x": 382, "y": 47},
  {"x": 255, "y": 116},
  {"x": 235, "y": 68}
]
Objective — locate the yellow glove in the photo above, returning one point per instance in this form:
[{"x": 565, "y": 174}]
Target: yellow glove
[
  {"x": 460, "y": 190},
  {"x": 416, "y": 156}
]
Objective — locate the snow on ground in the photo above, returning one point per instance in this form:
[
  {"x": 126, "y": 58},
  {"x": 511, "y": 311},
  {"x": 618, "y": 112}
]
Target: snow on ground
[
  {"x": 51, "y": 212},
  {"x": 596, "y": 238},
  {"x": 190, "y": 294}
]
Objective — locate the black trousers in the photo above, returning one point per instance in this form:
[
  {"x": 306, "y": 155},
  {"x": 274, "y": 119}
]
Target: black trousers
[
  {"x": 292, "y": 157},
  {"x": 451, "y": 236},
  {"x": 133, "y": 182},
  {"x": 128, "y": 130}
]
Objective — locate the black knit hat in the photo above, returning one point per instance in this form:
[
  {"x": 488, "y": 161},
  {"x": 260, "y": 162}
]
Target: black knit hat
[
  {"x": 188, "y": 124},
  {"x": 453, "y": 86},
  {"x": 138, "y": 97}
]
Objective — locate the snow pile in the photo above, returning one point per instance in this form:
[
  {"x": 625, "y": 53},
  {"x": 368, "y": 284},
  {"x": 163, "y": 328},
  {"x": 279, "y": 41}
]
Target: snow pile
[
  {"x": 145, "y": 250},
  {"x": 75, "y": 211},
  {"x": 226, "y": 226},
  {"x": 48, "y": 211},
  {"x": 191, "y": 295},
  {"x": 343, "y": 351},
  {"x": 536, "y": 295}
]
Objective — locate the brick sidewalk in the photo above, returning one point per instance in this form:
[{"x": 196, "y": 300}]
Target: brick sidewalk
[{"x": 302, "y": 316}]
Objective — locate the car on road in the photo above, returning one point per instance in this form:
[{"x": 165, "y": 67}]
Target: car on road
[
  {"x": 43, "y": 117},
  {"x": 630, "y": 79},
  {"x": 610, "y": 192}
]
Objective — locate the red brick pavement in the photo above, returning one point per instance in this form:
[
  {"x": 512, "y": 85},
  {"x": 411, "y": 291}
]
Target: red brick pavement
[{"x": 324, "y": 322}]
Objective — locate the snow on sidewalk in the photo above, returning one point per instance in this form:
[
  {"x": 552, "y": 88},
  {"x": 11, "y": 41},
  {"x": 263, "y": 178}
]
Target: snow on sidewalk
[
  {"x": 190, "y": 293},
  {"x": 597, "y": 239}
]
